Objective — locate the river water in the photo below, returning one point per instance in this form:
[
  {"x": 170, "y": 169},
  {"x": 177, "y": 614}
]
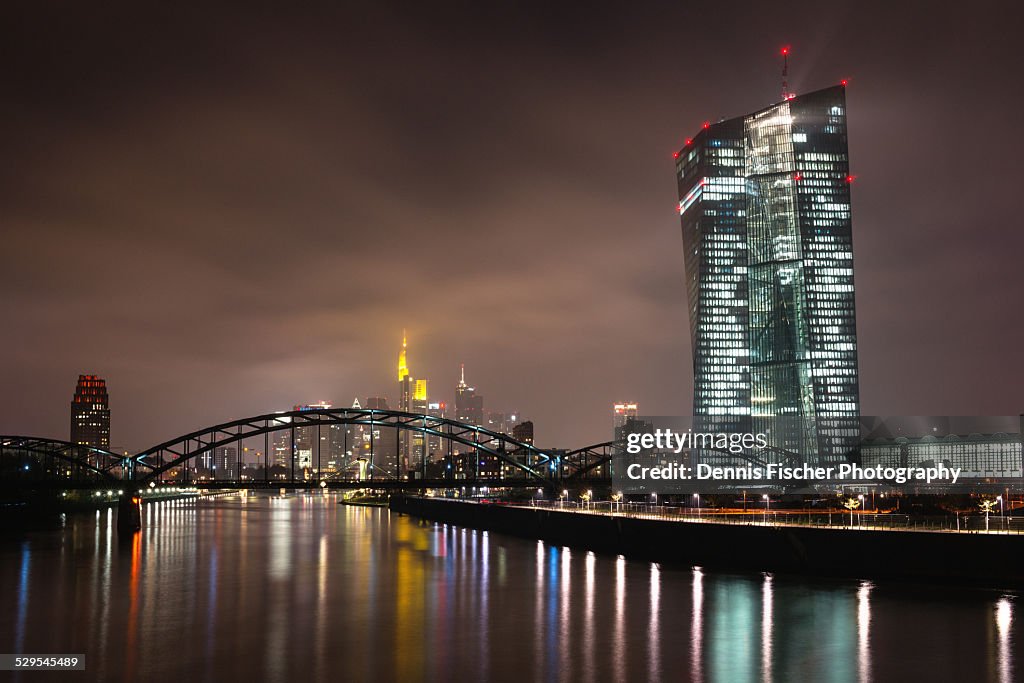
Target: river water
[{"x": 304, "y": 589}]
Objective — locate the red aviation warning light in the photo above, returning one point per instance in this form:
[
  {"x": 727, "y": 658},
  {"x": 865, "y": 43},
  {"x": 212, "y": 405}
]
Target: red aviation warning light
[
  {"x": 707, "y": 124},
  {"x": 786, "y": 95},
  {"x": 850, "y": 178},
  {"x": 845, "y": 82}
]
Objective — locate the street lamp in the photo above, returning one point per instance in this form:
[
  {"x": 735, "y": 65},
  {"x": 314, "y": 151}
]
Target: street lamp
[
  {"x": 767, "y": 506},
  {"x": 561, "y": 498},
  {"x": 860, "y": 497},
  {"x": 986, "y": 506},
  {"x": 851, "y": 504},
  {"x": 697, "y": 498}
]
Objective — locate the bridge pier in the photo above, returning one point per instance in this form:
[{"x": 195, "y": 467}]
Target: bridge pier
[{"x": 129, "y": 512}]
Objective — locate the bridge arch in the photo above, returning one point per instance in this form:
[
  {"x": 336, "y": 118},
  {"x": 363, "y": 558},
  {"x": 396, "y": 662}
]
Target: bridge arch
[
  {"x": 178, "y": 451},
  {"x": 72, "y": 454}
]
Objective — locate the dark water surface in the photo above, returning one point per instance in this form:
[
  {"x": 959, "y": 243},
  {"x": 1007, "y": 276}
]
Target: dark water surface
[{"x": 304, "y": 589}]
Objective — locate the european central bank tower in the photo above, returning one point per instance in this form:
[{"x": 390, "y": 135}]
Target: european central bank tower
[{"x": 764, "y": 201}]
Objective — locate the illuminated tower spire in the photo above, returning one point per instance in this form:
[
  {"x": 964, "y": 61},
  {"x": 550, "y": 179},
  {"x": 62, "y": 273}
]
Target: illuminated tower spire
[
  {"x": 403, "y": 366},
  {"x": 469, "y": 407}
]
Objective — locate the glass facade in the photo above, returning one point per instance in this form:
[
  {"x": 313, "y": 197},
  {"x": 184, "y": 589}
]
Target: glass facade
[
  {"x": 765, "y": 212},
  {"x": 981, "y": 456}
]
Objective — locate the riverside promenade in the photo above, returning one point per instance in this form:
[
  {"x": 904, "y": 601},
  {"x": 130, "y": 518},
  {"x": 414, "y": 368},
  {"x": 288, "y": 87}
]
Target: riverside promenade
[{"x": 788, "y": 542}]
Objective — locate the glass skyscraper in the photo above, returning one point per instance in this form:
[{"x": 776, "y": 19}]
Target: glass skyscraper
[{"x": 764, "y": 201}]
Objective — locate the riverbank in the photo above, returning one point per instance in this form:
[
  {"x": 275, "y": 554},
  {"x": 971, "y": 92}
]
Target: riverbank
[
  {"x": 986, "y": 559},
  {"x": 44, "y": 509}
]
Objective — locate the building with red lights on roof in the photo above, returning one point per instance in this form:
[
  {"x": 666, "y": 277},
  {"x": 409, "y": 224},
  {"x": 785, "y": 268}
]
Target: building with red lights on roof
[
  {"x": 764, "y": 201},
  {"x": 90, "y": 413}
]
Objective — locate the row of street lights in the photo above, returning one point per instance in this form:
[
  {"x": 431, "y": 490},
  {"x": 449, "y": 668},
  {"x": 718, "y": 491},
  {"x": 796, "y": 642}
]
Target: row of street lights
[{"x": 851, "y": 504}]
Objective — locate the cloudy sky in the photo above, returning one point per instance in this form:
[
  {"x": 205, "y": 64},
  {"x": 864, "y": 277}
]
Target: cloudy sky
[{"x": 226, "y": 212}]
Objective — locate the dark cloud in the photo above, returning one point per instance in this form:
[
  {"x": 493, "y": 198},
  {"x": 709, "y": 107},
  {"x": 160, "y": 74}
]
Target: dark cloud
[{"x": 230, "y": 212}]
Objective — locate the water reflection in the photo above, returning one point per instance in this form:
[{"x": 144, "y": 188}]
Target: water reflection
[
  {"x": 564, "y": 603},
  {"x": 767, "y": 629},
  {"x": 23, "y": 575},
  {"x": 619, "y": 641},
  {"x": 863, "y": 631},
  {"x": 300, "y": 588},
  {"x": 538, "y": 611},
  {"x": 697, "y": 626},
  {"x": 588, "y": 617},
  {"x": 654, "y": 630},
  {"x": 1004, "y": 615}
]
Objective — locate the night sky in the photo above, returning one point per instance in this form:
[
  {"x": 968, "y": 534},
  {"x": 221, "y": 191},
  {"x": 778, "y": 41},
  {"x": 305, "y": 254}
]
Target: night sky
[{"x": 230, "y": 212}]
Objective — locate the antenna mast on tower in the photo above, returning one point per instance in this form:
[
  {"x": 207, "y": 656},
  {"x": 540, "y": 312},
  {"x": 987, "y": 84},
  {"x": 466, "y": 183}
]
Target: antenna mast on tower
[{"x": 786, "y": 95}]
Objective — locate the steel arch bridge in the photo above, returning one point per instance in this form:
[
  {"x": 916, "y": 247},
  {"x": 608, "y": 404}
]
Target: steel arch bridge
[
  {"x": 31, "y": 461},
  {"x": 169, "y": 460},
  {"x": 474, "y": 456}
]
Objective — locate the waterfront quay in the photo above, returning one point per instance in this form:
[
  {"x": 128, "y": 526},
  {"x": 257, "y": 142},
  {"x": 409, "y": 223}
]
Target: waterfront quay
[
  {"x": 872, "y": 546},
  {"x": 856, "y": 520}
]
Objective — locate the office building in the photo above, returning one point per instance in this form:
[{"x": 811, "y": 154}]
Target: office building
[
  {"x": 764, "y": 202},
  {"x": 469, "y": 406},
  {"x": 90, "y": 413},
  {"x": 622, "y": 413},
  {"x": 523, "y": 432},
  {"x": 412, "y": 399}
]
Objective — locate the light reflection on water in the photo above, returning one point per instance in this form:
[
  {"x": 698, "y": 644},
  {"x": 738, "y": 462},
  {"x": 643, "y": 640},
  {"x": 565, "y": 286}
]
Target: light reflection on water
[
  {"x": 1004, "y": 617},
  {"x": 654, "y": 630},
  {"x": 766, "y": 629},
  {"x": 619, "y": 638},
  {"x": 300, "y": 588},
  {"x": 863, "y": 631}
]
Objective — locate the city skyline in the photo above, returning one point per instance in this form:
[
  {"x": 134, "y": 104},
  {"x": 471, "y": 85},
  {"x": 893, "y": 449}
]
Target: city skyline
[
  {"x": 410, "y": 396},
  {"x": 511, "y": 340},
  {"x": 240, "y": 238}
]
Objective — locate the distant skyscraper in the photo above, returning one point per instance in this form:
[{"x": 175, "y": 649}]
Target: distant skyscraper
[
  {"x": 499, "y": 422},
  {"x": 764, "y": 202},
  {"x": 376, "y": 403},
  {"x": 307, "y": 451},
  {"x": 523, "y": 432},
  {"x": 90, "y": 413},
  {"x": 434, "y": 444},
  {"x": 225, "y": 463},
  {"x": 281, "y": 446},
  {"x": 412, "y": 399},
  {"x": 382, "y": 443},
  {"x": 621, "y": 414},
  {"x": 469, "y": 407}
]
